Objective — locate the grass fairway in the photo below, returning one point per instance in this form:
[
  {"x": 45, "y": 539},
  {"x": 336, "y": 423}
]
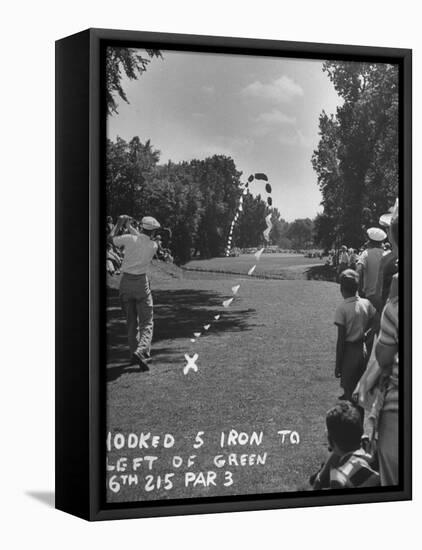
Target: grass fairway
[
  {"x": 279, "y": 265},
  {"x": 266, "y": 365}
]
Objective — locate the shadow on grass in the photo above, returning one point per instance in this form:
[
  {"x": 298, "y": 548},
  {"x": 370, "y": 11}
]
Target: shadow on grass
[
  {"x": 321, "y": 273},
  {"x": 177, "y": 314}
]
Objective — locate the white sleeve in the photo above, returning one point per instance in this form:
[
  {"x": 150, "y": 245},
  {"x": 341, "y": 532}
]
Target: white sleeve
[{"x": 122, "y": 240}]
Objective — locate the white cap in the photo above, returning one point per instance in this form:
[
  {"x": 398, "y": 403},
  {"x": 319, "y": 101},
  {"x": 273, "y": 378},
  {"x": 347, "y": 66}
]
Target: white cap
[
  {"x": 385, "y": 219},
  {"x": 376, "y": 234},
  {"x": 150, "y": 223}
]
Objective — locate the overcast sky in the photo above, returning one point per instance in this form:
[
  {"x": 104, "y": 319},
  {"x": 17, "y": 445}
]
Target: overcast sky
[{"x": 263, "y": 112}]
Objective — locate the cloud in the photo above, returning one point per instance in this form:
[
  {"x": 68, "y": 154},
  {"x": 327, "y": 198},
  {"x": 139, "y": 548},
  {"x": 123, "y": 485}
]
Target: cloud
[
  {"x": 230, "y": 146},
  {"x": 272, "y": 122},
  {"x": 275, "y": 118},
  {"x": 281, "y": 90},
  {"x": 208, "y": 90},
  {"x": 295, "y": 138}
]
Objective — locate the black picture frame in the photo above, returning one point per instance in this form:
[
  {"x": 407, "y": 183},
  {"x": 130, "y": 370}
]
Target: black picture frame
[{"x": 80, "y": 386}]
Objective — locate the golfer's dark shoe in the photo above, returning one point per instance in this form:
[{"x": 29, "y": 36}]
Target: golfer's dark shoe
[
  {"x": 342, "y": 397},
  {"x": 141, "y": 361},
  {"x": 312, "y": 478}
]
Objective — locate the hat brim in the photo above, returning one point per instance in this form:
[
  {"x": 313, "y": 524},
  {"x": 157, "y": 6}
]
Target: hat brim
[
  {"x": 150, "y": 227},
  {"x": 385, "y": 219}
]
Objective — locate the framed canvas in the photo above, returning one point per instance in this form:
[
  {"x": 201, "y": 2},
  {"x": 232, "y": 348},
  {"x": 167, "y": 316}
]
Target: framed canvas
[{"x": 233, "y": 238}]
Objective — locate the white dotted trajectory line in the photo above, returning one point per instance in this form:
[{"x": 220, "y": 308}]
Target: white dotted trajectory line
[{"x": 191, "y": 361}]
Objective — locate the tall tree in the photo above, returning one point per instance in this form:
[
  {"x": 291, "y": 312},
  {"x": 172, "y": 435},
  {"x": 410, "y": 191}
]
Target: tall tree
[
  {"x": 175, "y": 199},
  {"x": 357, "y": 156},
  {"x": 218, "y": 181},
  {"x": 251, "y": 224},
  {"x": 129, "y": 166},
  {"x": 300, "y": 233},
  {"x": 124, "y": 61}
]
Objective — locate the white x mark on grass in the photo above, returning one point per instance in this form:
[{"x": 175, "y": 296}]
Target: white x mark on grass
[{"x": 191, "y": 363}]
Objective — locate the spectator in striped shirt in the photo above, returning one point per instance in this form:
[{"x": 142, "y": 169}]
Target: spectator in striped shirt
[
  {"x": 387, "y": 356},
  {"x": 348, "y": 466}
]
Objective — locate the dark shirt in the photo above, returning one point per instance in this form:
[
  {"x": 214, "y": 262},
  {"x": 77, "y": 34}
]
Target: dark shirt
[{"x": 388, "y": 268}]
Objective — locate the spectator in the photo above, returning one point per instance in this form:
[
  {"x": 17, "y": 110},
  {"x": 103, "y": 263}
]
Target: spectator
[
  {"x": 387, "y": 355},
  {"x": 110, "y": 267},
  {"x": 353, "y": 258},
  {"x": 113, "y": 260},
  {"x": 348, "y": 466},
  {"x": 368, "y": 265},
  {"x": 353, "y": 317},
  {"x": 343, "y": 262},
  {"x": 109, "y": 224},
  {"x": 388, "y": 265},
  {"x": 163, "y": 253},
  {"x": 388, "y": 268},
  {"x": 330, "y": 258}
]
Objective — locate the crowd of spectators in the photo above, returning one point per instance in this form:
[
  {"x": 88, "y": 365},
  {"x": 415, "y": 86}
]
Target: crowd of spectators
[{"x": 362, "y": 428}]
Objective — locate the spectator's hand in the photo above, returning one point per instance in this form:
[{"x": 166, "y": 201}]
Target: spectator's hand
[{"x": 337, "y": 372}]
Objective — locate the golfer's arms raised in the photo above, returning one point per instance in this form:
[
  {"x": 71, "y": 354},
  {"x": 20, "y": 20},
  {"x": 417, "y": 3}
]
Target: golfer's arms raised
[
  {"x": 122, "y": 220},
  {"x": 131, "y": 229}
]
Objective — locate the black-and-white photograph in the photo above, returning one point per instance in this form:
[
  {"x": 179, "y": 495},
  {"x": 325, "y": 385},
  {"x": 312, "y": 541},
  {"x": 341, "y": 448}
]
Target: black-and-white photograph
[{"x": 251, "y": 226}]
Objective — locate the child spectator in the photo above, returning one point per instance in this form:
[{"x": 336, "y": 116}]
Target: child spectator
[
  {"x": 348, "y": 466},
  {"x": 353, "y": 317}
]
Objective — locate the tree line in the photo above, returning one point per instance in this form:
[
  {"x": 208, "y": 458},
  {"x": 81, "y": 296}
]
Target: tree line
[
  {"x": 357, "y": 166},
  {"x": 196, "y": 200},
  {"x": 357, "y": 159}
]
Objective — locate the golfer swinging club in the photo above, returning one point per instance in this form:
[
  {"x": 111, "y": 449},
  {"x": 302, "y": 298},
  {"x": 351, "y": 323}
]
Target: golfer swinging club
[{"x": 135, "y": 291}]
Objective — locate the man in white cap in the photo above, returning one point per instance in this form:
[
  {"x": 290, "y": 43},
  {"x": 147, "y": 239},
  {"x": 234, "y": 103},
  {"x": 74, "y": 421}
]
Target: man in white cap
[
  {"x": 135, "y": 291},
  {"x": 368, "y": 264},
  {"x": 389, "y": 261}
]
